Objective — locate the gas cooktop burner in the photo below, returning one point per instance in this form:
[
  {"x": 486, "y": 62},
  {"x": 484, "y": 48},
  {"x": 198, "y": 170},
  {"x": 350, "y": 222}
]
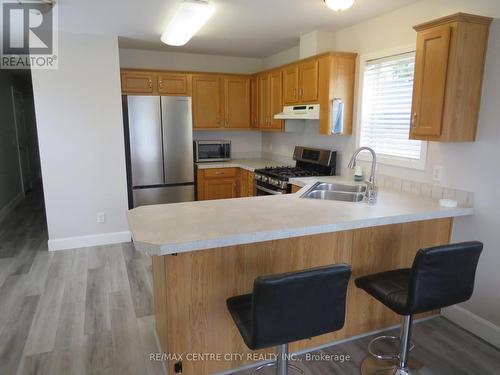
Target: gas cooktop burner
[{"x": 284, "y": 173}]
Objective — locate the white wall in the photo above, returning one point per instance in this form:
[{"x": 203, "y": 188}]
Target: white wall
[
  {"x": 141, "y": 59},
  {"x": 10, "y": 173},
  {"x": 80, "y": 130},
  {"x": 282, "y": 58},
  {"x": 467, "y": 166}
]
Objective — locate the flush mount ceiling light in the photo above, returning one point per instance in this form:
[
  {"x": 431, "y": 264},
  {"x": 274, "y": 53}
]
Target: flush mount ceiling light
[
  {"x": 339, "y": 5},
  {"x": 189, "y": 17}
]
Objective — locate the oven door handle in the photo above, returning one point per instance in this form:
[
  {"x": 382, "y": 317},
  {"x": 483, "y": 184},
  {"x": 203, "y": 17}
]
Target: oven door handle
[{"x": 273, "y": 192}]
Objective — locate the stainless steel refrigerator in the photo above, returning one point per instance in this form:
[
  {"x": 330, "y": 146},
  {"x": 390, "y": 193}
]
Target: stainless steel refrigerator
[{"x": 160, "y": 149}]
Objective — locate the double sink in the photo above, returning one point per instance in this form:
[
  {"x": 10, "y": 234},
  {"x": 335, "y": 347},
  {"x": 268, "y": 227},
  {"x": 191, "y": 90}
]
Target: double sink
[{"x": 336, "y": 192}]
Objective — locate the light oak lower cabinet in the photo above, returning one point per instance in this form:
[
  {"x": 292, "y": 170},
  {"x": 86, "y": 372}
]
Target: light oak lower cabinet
[
  {"x": 448, "y": 78},
  {"x": 217, "y": 183},
  {"x": 246, "y": 183}
]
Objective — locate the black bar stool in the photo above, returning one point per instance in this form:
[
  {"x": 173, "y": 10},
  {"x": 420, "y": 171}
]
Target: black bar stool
[
  {"x": 290, "y": 307},
  {"x": 440, "y": 276}
]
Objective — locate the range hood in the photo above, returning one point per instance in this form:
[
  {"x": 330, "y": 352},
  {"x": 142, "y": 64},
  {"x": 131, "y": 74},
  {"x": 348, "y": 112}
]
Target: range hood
[{"x": 299, "y": 112}]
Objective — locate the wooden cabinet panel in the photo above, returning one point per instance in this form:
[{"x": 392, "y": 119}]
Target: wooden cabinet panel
[
  {"x": 220, "y": 172},
  {"x": 243, "y": 183},
  {"x": 251, "y": 187},
  {"x": 263, "y": 110},
  {"x": 236, "y": 102},
  {"x": 254, "y": 103},
  {"x": 295, "y": 188},
  {"x": 431, "y": 69},
  {"x": 308, "y": 81},
  {"x": 173, "y": 84},
  {"x": 276, "y": 99},
  {"x": 137, "y": 82},
  {"x": 220, "y": 188},
  {"x": 448, "y": 78},
  {"x": 206, "y": 102},
  {"x": 291, "y": 84}
]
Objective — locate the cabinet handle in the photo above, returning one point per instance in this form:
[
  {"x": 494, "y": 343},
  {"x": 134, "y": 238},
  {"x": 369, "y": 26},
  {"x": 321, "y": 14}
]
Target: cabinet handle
[
  {"x": 294, "y": 93},
  {"x": 414, "y": 118},
  {"x": 150, "y": 83},
  {"x": 301, "y": 93},
  {"x": 160, "y": 83}
]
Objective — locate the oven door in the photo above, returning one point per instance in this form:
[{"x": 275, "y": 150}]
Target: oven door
[
  {"x": 265, "y": 190},
  {"x": 207, "y": 151}
]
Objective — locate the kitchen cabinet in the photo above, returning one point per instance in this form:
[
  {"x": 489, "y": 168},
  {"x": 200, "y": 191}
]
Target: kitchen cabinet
[
  {"x": 246, "y": 183},
  {"x": 270, "y": 100},
  {"x": 251, "y": 187},
  {"x": 300, "y": 82},
  {"x": 295, "y": 188},
  {"x": 254, "y": 103},
  {"x": 237, "y": 102},
  {"x": 291, "y": 84},
  {"x": 173, "y": 84},
  {"x": 217, "y": 183},
  {"x": 449, "y": 66},
  {"x": 207, "y": 102},
  {"x": 137, "y": 82}
]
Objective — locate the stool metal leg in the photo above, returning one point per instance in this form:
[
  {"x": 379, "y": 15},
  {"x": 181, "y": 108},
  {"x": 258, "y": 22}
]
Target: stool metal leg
[
  {"x": 405, "y": 347},
  {"x": 282, "y": 364}
]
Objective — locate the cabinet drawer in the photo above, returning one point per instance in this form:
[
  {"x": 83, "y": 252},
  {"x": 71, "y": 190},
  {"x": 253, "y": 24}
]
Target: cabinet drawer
[{"x": 220, "y": 172}]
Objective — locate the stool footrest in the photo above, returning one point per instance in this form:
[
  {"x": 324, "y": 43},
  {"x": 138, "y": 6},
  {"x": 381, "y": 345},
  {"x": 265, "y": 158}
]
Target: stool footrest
[{"x": 385, "y": 357}]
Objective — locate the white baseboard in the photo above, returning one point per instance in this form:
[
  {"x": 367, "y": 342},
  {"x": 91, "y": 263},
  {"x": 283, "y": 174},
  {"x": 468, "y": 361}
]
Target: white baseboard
[
  {"x": 88, "y": 241},
  {"x": 9, "y": 207},
  {"x": 473, "y": 323}
]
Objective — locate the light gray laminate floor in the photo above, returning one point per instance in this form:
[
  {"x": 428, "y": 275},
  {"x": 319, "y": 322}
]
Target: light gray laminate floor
[{"x": 89, "y": 311}]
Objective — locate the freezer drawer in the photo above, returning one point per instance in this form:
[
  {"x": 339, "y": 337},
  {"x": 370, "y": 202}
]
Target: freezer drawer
[{"x": 161, "y": 195}]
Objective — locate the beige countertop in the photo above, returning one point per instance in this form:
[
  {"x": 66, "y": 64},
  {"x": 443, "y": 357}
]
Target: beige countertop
[
  {"x": 183, "y": 227},
  {"x": 248, "y": 164}
]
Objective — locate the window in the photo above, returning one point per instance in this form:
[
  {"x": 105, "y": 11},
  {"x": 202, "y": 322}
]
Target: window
[{"x": 386, "y": 111}]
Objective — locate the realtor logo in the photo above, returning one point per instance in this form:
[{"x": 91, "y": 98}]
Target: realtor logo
[{"x": 29, "y": 34}]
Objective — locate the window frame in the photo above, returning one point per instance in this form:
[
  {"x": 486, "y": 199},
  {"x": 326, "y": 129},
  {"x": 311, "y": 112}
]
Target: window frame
[{"x": 419, "y": 164}]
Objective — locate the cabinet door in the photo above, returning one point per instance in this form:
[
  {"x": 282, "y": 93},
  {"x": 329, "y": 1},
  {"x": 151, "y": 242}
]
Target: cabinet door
[
  {"x": 137, "y": 82},
  {"x": 206, "y": 102},
  {"x": 263, "y": 101},
  {"x": 243, "y": 183},
  {"x": 173, "y": 84},
  {"x": 431, "y": 68},
  {"x": 276, "y": 99},
  {"x": 254, "y": 103},
  {"x": 291, "y": 84},
  {"x": 236, "y": 102},
  {"x": 308, "y": 81},
  {"x": 220, "y": 188},
  {"x": 251, "y": 187}
]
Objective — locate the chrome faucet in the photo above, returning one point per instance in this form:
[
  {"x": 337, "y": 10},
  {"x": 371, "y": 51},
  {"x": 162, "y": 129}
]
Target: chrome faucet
[{"x": 371, "y": 191}]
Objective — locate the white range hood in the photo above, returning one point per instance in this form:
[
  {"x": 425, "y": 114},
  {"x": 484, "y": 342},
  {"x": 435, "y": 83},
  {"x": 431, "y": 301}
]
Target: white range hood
[{"x": 299, "y": 112}]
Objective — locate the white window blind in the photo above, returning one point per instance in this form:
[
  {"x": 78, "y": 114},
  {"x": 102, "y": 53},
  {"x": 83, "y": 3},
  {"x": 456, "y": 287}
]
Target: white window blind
[{"x": 386, "y": 108}]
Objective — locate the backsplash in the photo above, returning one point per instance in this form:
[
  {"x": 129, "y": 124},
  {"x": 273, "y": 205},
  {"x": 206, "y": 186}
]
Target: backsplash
[{"x": 464, "y": 198}]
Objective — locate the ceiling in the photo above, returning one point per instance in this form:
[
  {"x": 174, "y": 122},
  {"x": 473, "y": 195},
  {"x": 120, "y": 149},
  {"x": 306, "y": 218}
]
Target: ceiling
[{"x": 251, "y": 28}]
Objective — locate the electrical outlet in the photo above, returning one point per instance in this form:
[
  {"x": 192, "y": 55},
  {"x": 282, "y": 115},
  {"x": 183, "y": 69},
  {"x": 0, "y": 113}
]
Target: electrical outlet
[
  {"x": 437, "y": 173},
  {"x": 101, "y": 217}
]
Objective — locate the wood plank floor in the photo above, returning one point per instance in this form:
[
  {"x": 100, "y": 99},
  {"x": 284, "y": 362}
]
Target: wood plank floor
[{"x": 90, "y": 311}]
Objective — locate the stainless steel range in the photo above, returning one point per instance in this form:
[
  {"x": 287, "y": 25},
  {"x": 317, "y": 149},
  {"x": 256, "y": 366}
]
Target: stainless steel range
[{"x": 308, "y": 162}]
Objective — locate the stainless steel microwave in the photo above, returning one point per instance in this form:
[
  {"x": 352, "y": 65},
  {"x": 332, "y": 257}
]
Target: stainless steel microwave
[{"x": 206, "y": 151}]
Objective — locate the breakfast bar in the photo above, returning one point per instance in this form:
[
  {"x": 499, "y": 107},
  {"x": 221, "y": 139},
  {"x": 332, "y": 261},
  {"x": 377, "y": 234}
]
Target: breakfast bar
[{"x": 205, "y": 252}]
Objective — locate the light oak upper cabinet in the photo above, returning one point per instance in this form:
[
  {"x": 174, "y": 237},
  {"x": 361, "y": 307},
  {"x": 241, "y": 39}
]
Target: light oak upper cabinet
[
  {"x": 207, "y": 107},
  {"x": 308, "y": 81},
  {"x": 254, "y": 103},
  {"x": 237, "y": 102},
  {"x": 448, "y": 78},
  {"x": 173, "y": 84},
  {"x": 291, "y": 84},
  {"x": 135, "y": 82},
  {"x": 263, "y": 101},
  {"x": 275, "y": 99}
]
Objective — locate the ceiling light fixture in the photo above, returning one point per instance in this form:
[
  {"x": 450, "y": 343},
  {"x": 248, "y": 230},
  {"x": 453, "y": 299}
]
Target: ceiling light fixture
[
  {"x": 189, "y": 17},
  {"x": 339, "y": 5}
]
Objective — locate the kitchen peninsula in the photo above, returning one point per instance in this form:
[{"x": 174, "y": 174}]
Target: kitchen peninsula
[{"x": 205, "y": 252}]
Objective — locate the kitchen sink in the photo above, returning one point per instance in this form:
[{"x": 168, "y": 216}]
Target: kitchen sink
[
  {"x": 340, "y": 187},
  {"x": 336, "y": 192}
]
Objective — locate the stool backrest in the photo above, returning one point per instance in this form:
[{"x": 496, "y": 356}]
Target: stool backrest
[
  {"x": 299, "y": 305},
  {"x": 443, "y": 276}
]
